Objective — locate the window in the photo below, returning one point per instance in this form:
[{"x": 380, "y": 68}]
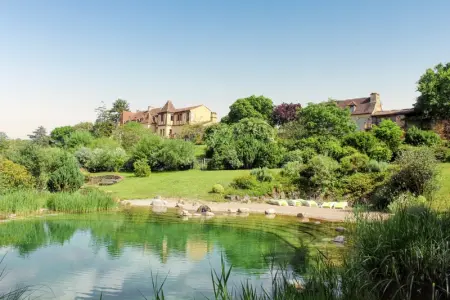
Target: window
[
  {"x": 179, "y": 117},
  {"x": 170, "y": 132},
  {"x": 162, "y": 118},
  {"x": 352, "y": 108},
  {"x": 171, "y": 118},
  {"x": 187, "y": 116}
]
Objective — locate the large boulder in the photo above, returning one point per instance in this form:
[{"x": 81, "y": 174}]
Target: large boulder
[
  {"x": 158, "y": 202},
  {"x": 270, "y": 211},
  {"x": 243, "y": 210},
  {"x": 185, "y": 213},
  {"x": 340, "y": 229},
  {"x": 203, "y": 209},
  {"x": 339, "y": 239}
]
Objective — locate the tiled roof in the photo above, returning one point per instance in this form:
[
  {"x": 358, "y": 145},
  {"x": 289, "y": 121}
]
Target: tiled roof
[
  {"x": 362, "y": 105},
  {"x": 168, "y": 107},
  {"x": 394, "y": 112}
]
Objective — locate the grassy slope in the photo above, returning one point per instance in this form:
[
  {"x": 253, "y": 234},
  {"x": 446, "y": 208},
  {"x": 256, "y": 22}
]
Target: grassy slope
[
  {"x": 193, "y": 184},
  {"x": 443, "y": 195}
]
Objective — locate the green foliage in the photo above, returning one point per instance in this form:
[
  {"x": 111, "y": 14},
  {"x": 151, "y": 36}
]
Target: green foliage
[
  {"x": 262, "y": 174},
  {"x": 362, "y": 141},
  {"x": 3, "y": 142},
  {"x": 381, "y": 153},
  {"x": 434, "y": 101},
  {"x": 40, "y": 137},
  {"x": 258, "y": 107},
  {"x": 359, "y": 187},
  {"x": 13, "y": 176},
  {"x": 390, "y": 133},
  {"x": 354, "y": 163},
  {"x": 130, "y": 134},
  {"x": 325, "y": 119},
  {"x": 218, "y": 189},
  {"x": 405, "y": 201},
  {"x": 90, "y": 200},
  {"x": 141, "y": 168},
  {"x": 22, "y": 201},
  {"x": 292, "y": 170},
  {"x": 84, "y": 126},
  {"x": 194, "y": 133},
  {"x": 441, "y": 153},
  {"x": 103, "y": 129},
  {"x": 245, "y": 182},
  {"x": 319, "y": 175},
  {"x": 376, "y": 166},
  {"x": 99, "y": 160},
  {"x": 105, "y": 143},
  {"x": 148, "y": 148},
  {"x": 176, "y": 155},
  {"x": 416, "y": 137},
  {"x": 118, "y": 107},
  {"x": 60, "y": 135},
  {"x": 78, "y": 139},
  {"x": 67, "y": 177}
]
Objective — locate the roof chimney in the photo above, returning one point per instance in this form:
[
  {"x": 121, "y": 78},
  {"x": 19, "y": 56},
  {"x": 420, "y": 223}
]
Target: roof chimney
[
  {"x": 150, "y": 108},
  {"x": 374, "y": 98}
]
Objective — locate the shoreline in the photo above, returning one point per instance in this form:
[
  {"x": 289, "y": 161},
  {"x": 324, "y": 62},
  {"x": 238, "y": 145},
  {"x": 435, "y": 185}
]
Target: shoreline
[{"x": 325, "y": 214}]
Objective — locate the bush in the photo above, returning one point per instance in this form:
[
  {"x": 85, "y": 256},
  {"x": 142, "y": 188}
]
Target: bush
[
  {"x": 175, "y": 155},
  {"x": 354, "y": 163},
  {"x": 218, "y": 189},
  {"x": 100, "y": 160},
  {"x": 13, "y": 176},
  {"x": 375, "y": 166},
  {"x": 381, "y": 153},
  {"x": 89, "y": 200},
  {"x": 441, "y": 153},
  {"x": 295, "y": 155},
  {"x": 292, "y": 169},
  {"x": 78, "y": 139},
  {"x": 67, "y": 178},
  {"x": 262, "y": 174},
  {"x": 359, "y": 187},
  {"x": 416, "y": 137},
  {"x": 362, "y": 141},
  {"x": 245, "y": 182},
  {"x": 319, "y": 175},
  {"x": 141, "y": 168},
  {"x": 390, "y": 133},
  {"x": 406, "y": 201}
]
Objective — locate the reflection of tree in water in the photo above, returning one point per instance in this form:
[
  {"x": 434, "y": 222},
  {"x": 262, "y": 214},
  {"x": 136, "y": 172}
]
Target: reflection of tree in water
[{"x": 246, "y": 243}]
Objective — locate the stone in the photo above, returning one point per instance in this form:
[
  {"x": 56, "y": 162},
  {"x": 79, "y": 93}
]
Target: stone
[
  {"x": 203, "y": 209},
  {"x": 232, "y": 210},
  {"x": 228, "y": 197},
  {"x": 243, "y": 210},
  {"x": 270, "y": 216},
  {"x": 159, "y": 209},
  {"x": 300, "y": 215},
  {"x": 185, "y": 213},
  {"x": 158, "y": 202},
  {"x": 340, "y": 229},
  {"x": 270, "y": 211},
  {"x": 248, "y": 201},
  {"x": 196, "y": 215},
  {"x": 179, "y": 205},
  {"x": 246, "y": 198},
  {"x": 209, "y": 214},
  {"x": 339, "y": 239},
  {"x": 317, "y": 222}
]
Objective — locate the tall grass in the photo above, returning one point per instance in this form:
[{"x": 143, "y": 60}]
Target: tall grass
[
  {"x": 89, "y": 200},
  {"x": 22, "y": 202}
]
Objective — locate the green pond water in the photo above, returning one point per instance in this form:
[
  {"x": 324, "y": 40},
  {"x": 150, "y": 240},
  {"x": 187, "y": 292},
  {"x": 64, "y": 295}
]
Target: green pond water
[{"x": 114, "y": 254}]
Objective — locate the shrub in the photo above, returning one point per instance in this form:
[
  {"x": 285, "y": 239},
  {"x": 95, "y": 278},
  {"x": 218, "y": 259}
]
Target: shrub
[
  {"x": 100, "y": 160},
  {"x": 416, "y": 137},
  {"x": 79, "y": 138},
  {"x": 83, "y": 155},
  {"x": 348, "y": 151},
  {"x": 292, "y": 169},
  {"x": 359, "y": 187},
  {"x": 405, "y": 201},
  {"x": 89, "y": 200},
  {"x": 148, "y": 147},
  {"x": 176, "y": 155},
  {"x": 141, "y": 168},
  {"x": 381, "y": 153},
  {"x": 262, "y": 174},
  {"x": 354, "y": 163},
  {"x": 375, "y": 166},
  {"x": 441, "y": 153},
  {"x": 13, "y": 176},
  {"x": 67, "y": 178},
  {"x": 390, "y": 133},
  {"x": 218, "y": 189},
  {"x": 361, "y": 140},
  {"x": 295, "y": 155},
  {"x": 319, "y": 175},
  {"x": 245, "y": 182}
]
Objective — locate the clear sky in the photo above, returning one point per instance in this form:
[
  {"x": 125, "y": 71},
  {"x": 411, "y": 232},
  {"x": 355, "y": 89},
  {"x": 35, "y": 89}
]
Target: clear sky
[{"x": 60, "y": 59}]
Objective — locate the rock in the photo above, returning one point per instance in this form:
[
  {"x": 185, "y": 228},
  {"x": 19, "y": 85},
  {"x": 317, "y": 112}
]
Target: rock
[
  {"x": 246, "y": 198},
  {"x": 159, "y": 209},
  {"x": 248, "y": 201},
  {"x": 339, "y": 239},
  {"x": 270, "y": 211},
  {"x": 243, "y": 210},
  {"x": 185, "y": 213},
  {"x": 196, "y": 215},
  {"x": 203, "y": 209},
  {"x": 158, "y": 197},
  {"x": 232, "y": 210},
  {"x": 179, "y": 205},
  {"x": 182, "y": 202},
  {"x": 228, "y": 197},
  {"x": 158, "y": 202},
  {"x": 340, "y": 229},
  {"x": 270, "y": 216},
  {"x": 209, "y": 214},
  {"x": 317, "y": 222},
  {"x": 300, "y": 215},
  {"x": 12, "y": 216}
]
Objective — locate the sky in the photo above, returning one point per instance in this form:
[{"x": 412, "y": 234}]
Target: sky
[{"x": 59, "y": 60}]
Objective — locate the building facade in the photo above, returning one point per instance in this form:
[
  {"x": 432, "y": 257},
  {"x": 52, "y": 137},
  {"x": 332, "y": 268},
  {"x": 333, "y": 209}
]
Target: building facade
[
  {"x": 168, "y": 121},
  {"x": 368, "y": 111}
]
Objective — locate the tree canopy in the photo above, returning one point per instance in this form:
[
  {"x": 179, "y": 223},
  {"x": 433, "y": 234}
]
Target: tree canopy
[
  {"x": 434, "y": 86},
  {"x": 39, "y": 136},
  {"x": 258, "y": 107},
  {"x": 285, "y": 112}
]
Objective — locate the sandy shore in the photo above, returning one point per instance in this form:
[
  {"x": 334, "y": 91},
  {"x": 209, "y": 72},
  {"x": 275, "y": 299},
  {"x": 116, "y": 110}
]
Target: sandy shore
[{"x": 308, "y": 212}]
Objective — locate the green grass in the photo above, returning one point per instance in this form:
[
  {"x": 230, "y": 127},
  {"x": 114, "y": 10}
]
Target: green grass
[
  {"x": 22, "y": 202},
  {"x": 200, "y": 151},
  {"x": 192, "y": 184},
  {"x": 82, "y": 201},
  {"x": 442, "y": 201}
]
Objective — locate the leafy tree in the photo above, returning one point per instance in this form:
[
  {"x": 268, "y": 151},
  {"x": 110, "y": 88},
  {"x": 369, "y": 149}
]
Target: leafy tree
[
  {"x": 129, "y": 134},
  {"x": 176, "y": 155},
  {"x": 381, "y": 153},
  {"x": 148, "y": 148},
  {"x": 78, "y": 139},
  {"x": 319, "y": 175},
  {"x": 258, "y": 107},
  {"x": 434, "y": 86},
  {"x": 362, "y": 141},
  {"x": 390, "y": 133},
  {"x": 105, "y": 143},
  {"x": 285, "y": 112},
  {"x": 141, "y": 168},
  {"x": 40, "y": 137},
  {"x": 3, "y": 141},
  {"x": 67, "y": 177},
  {"x": 13, "y": 176},
  {"x": 325, "y": 119},
  {"x": 416, "y": 137},
  {"x": 60, "y": 135},
  {"x": 99, "y": 160},
  {"x": 103, "y": 129},
  {"x": 83, "y": 126},
  {"x": 194, "y": 133},
  {"x": 357, "y": 162},
  {"x": 118, "y": 107}
]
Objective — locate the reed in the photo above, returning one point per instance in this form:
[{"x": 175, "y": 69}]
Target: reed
[
  {"x": 22, "y": 202},
  {"x": 84, "y": 201}
]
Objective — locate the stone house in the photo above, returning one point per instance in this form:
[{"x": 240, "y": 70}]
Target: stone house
[
  {"x": 168, "y": 121},
  {"x": 368, "y": 111}
]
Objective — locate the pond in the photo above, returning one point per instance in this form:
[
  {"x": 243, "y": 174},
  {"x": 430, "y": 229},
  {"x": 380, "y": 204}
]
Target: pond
[{"x": 116, "y": 254}]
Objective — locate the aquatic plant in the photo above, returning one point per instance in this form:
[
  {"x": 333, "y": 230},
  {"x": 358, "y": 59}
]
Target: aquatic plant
[{"x": 88, "y": 200}]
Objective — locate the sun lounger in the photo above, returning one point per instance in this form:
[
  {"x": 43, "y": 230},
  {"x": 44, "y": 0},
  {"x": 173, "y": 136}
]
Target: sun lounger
[
  {"x": 278, "y": 202},
  {"x": 328, "y": 204},
  {"x": 295, "y": 202},
  {"x": 309, "y": 203},
  {"x": 341, "y": 205}
]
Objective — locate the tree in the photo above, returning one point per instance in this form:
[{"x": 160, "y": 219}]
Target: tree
[
  {"x": 390, "y": 133},
  {"x": 325, "y": 119},
  {"x": 105, "y": 122},
  {"x": 129, "y": 134},
  {"x": 416, "y": 137},
  {"x": 285, "y": 112},
  {"x": 258, "y": 107},
  {"x": 40, "y": 137},
  {"x": 118, "y": 107},
  {"x": 83, "y": 126},
  {"x": 3, "y": 141},
  {"x": 434, "y": 86},
  {"x": 60, "y": 135}
]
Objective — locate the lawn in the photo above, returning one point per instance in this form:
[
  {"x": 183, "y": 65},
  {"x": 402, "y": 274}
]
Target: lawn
[
  {"x": 443, "y": 195},
  {"x": 192, "y": 184}
]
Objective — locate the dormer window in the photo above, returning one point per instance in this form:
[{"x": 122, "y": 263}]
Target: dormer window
[{"x": 352, "y": 108}]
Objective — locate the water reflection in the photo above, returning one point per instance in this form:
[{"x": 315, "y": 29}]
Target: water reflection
[{"x": 81, "y": 256}]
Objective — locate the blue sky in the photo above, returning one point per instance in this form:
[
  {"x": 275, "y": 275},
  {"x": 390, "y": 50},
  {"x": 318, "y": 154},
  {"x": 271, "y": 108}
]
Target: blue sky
[{"x": 60, "y": 59}]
